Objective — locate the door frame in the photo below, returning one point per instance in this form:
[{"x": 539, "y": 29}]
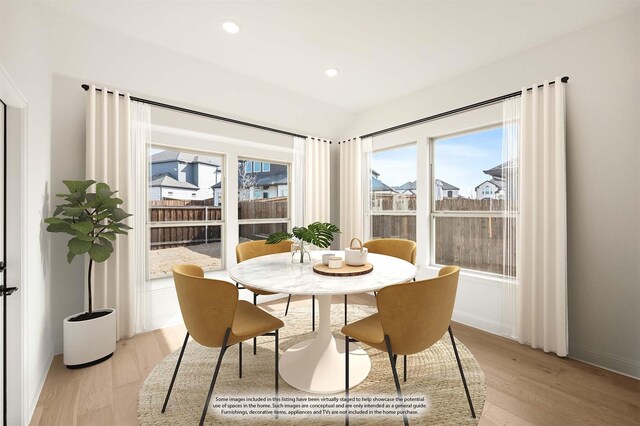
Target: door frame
[{"x": 17, "y": 272}]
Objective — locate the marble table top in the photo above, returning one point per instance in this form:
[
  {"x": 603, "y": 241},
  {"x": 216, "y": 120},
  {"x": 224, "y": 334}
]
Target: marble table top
[{"x": 277, "y": 274}]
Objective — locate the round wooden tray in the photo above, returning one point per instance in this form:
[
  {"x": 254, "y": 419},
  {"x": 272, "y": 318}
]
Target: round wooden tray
[{"x": 345, "y": 271}]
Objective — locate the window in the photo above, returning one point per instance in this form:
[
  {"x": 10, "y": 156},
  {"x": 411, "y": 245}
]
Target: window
[
  {"x": 247, "y": 166},
  {"x": 266, "y": 167},
  {"x": 256, "y": 166},
  {"x": 470, "y": 230},
  {"x": 393, "y": 193},
  {"x": 263, "y": 202},
  {"x": 187, "y": 228}
]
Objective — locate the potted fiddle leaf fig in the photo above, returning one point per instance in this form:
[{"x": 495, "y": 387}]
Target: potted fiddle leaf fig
[
  {"x": 318, "y": 233},
  {"x": 93, "y": 220}
]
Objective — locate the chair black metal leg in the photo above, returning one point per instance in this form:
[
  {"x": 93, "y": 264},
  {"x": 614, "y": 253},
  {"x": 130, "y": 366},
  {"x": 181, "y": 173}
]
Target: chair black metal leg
[
  {"x": 464, "y": 381},
  {"x": 277, "y": 351},
  {"x": 286, "y": 311},
  {"x": 175, "y": 372},
  {"x": 255, "y": 339},
  {"x": 392, "y": 359},
  {"x": 346, "y": 378},
  {"x": 277, "y": 363},
  {"x": 240, "y": 360},
  {"x": 313, "y": 313},
  {"x": 404, "y": 370},
  {"x": 223, "y": 349},
  {"x": 345, "y": 309}
]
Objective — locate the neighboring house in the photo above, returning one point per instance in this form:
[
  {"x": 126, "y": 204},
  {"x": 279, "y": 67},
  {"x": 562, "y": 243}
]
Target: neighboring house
[
  {"x": 495, "y": 188},
  {"x": 492, "y": 188},
  {"x": 445, "y": 190},
  {"x": 259, "y": 180},
  {"x": 379, "y": 187},
  {"x": 408, "y": 188},
  {"x": 164, "y": 187},
  {"x": 183, "y": 176}
]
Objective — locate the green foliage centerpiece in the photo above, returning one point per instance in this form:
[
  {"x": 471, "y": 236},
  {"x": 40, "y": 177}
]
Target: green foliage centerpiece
[
  {"x": 318, "y": 233},
  {"x": 93, "y": 219}
]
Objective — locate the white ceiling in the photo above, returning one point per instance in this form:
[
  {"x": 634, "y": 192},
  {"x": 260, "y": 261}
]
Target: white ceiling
[{"x": 383, "y": 49}]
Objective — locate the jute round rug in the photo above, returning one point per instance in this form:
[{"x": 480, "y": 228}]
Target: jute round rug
[{"x": 433, "y": 384}]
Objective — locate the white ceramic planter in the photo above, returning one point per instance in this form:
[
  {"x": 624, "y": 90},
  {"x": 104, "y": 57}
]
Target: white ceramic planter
[{"x": 89, "y": 342}]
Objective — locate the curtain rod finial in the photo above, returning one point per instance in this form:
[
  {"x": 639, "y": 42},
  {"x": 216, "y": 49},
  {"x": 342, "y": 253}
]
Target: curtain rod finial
[
  {"x": 85, "y": 87},
  {"x": 564, "y": 79}
]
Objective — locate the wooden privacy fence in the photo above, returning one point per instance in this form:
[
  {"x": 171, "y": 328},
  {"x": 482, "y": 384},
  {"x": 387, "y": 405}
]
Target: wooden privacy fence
[
  {"x": 471, "y": 242},
  {"x": 204, "y": 210}
]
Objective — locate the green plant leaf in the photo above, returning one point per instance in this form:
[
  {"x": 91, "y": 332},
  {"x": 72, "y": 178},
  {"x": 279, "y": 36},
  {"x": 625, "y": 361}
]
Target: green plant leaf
[
  {"x": 61, "y": 227},
  {"x": 104, "y": 194},
  {"x": 108, "y": 235},
  {"x": 118, "y": 225},
  {"x": 58, "y": 209},
  {"x": 119, "y": 214},
  {"x": 110, "y": 203},
  {"x": 105, "y": 242},
  {"x": 78, "y": 246},
  {"x": 319, "y": 234},
  {"x": 78, "y": 185},
  {"x": 73, "y": 211},
  {"x": 70, "y": 256},
  {"x": 84, "y": 237},
  {"x": 99, "y": 253},
  {"x": 277, "y": 237},
  {"x": 54, "y": 220},
  {"x": 83, "y": 227}
]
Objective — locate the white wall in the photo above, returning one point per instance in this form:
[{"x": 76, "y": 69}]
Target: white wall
[
  {"x": 603, "y": 156},
  {"x": 95, "y": 54},
  {"x": 25, "y": 58}
]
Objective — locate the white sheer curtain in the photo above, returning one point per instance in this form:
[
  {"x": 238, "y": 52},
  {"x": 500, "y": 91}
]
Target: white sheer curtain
[
  {"x": 367, "y": 150},
  {"x": 510, "y": 158},
  {"x": 317, "y": 181},
  {"x": 542, "y": 231},
  {"x": 108, "y": 159},
  {"x": 139, "y": 236},
  {"x": 354, "y": 188},
  {"x": 298, "y": 182}
]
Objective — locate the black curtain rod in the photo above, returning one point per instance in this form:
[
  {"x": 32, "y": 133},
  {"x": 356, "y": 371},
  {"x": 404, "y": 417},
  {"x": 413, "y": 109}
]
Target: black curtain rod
[
  {"x": 454, "y": 111},
  {"x": 203, "y": 114}
]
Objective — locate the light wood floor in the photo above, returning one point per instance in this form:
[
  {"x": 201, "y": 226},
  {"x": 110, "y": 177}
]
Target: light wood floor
[{"x": 524, "y": 386}]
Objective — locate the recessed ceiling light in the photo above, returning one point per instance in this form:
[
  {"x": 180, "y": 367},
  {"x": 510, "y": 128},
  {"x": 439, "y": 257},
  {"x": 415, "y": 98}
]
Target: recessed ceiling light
[
  {"x": 230, "y": 27},
  {"x": 331, "y": 72}
]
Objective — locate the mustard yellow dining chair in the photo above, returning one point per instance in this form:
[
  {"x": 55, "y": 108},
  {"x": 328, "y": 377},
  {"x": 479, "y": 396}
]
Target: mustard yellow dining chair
[
  {"x": 215, "y": 318},
  {"x": 249, "y": 250},
  {"x": 395, "y": 247},
  {"x": 411, "y": 317}
]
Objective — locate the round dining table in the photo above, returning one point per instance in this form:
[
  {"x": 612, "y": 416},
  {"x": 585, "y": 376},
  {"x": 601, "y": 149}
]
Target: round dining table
[{"x": 318, "y": 365}]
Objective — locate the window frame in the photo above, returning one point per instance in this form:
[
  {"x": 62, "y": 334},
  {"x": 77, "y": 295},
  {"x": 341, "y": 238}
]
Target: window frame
[
  {"x": 187, "y": 223},
  {"x": 274, "y": 220},
  {"x": 378, "y": 211},
  {"x": 433, "y": 213}
]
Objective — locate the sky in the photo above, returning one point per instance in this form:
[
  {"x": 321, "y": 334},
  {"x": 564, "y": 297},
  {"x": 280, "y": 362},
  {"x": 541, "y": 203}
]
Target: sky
[{"x": 458, "y": 160}]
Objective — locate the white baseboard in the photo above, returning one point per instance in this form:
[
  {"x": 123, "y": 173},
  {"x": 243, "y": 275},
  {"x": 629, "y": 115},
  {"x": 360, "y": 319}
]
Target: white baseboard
[
  {"x": 475, "y": 321},
  {"x": 36, "y": 396},
  {"x": 607, "y": 361}
]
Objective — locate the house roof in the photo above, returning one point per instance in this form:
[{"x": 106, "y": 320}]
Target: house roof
[
  {"x": 498, "y": 183},
  {"x": 410, "y": 186},
  {"x": 446, "y": 186},
  {"x": 184, "y": 157},
  {"x": 497, "y": 170},
  {"x": 378, "y": 185},
  {"x": 166, "y": 181}
]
